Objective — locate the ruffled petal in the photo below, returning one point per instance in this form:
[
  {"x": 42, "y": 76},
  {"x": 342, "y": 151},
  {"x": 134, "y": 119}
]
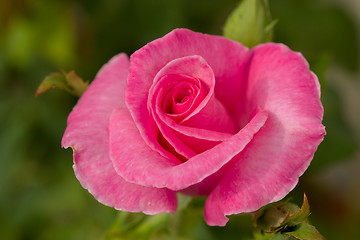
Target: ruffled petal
[
  {"x": 280, "y": 82},
  {"x": 138, "y": 163},
  {"x": 193, "y": 76},
  {"x": 226, "y": 58},
  {"x": 87, "y": 134}
]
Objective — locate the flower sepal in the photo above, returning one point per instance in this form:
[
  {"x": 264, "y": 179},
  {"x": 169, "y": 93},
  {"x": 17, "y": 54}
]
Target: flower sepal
[{"x": 285, "y": 220}]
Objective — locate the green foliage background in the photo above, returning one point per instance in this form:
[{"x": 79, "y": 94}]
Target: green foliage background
[{"x": 40, "y": 198}]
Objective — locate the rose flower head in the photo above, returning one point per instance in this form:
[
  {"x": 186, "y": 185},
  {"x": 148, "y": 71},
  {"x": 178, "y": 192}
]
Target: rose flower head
[{"x": 200, "y": 115}]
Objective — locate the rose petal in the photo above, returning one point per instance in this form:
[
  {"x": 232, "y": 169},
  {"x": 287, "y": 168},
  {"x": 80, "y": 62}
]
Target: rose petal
[
  {"x": 205, "y": 112},
  {"x": 157, "y": 95},
  {"x": 139, "y": 164},
  {"x": 192, "y": 66},
  {"x": 197, "y": 139},
  {"x": 281, "y": 83},
  {"x": 87, "y": 134},
  {"x": 226, "y": 58}
]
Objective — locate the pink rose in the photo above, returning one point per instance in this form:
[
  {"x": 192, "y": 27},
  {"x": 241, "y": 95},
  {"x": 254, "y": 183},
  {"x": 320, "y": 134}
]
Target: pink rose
[{"x": 201, "y": 115}]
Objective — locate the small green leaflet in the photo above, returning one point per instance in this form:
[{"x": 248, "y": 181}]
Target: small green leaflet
[{"x": 67, "y": 81}]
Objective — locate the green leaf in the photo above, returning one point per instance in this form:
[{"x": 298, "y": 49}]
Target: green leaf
[
  {"x": 136, "y": 226},
  {"x": 270, "y": 236},
  {"x": 250, "y": 23},
  {"x": 305, "y": 231},
  {"x": 76, "y": 83},
  {"x": 69, "y": 82}
]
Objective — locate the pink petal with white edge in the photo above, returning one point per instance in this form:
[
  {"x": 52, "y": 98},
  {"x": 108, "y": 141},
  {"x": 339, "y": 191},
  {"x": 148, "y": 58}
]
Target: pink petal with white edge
[
  {"x": 281, "y": 83},
  {"x": 226, "y": 58},
  {"x": 139, "y": 164},
  {"x": 87, "y": 134}
]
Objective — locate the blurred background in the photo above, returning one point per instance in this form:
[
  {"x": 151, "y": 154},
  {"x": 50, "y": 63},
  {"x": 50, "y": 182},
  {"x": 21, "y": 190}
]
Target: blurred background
[{"x": 40, "y": 198}]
